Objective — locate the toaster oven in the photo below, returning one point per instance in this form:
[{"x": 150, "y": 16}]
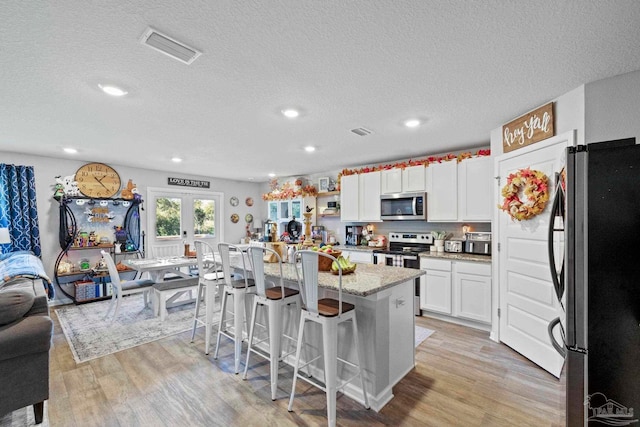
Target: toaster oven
[
  {"x": 478, "y": 243},
  {"x": 453, "y": 245}
]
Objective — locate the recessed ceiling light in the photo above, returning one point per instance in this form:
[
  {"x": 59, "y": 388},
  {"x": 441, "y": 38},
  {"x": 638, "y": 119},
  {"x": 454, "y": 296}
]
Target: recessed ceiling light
[
  {"x": 176, "y": 159},
  {"x": 412, "y": 123},
  {"x": 309, "y": 148},
  {"x": 112, "y": 90},
  {"x": 291, "y": 113},
  {"x": 271, "y": 175},
  {"x": 70, "y": 150}
]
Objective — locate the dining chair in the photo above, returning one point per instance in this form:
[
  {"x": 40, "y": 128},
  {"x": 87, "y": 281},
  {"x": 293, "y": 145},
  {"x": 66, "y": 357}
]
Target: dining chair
[
  {"x": 168, "y": 251},
  {"x": 237, "y": 289},
  {"x": 329, "y": 313},
  {"x": 275, "y": 299},
  {"x": 119, "y": 289},
  {"x": 209, "y": 276}
]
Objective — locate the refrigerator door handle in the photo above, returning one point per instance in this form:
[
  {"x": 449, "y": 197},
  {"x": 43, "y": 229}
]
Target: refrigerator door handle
[
  {"x": 559, "y": 348},
  {"x": 557, "y": 209}
]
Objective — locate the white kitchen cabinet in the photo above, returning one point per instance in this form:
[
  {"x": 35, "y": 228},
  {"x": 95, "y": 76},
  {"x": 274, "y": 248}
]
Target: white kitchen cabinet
[
  {"x": 408, "y": 180},
  {"x": 281, "y": 211},
  {"x": 349, "y": 198},
  {"x": 472, "y": 291},
  {"x": 457, "y": 289},
  {"x": 414, "y": 179},
  {"x": 360, "y": 197},
  {"x": 364, "y": 257},
  {"x": 442, "y": 192},
  {"x": 436, "y": 295},
  {"x": 369, "y": 196},
  {"x": 475, "y": 189}
]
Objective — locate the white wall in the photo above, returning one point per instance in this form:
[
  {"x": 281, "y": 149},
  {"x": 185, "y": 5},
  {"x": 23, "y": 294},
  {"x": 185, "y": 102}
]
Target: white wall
[
  {"x": 568, "y": 112},
  {"x": 613, "y": 108},
  {"x": 47, "y": 168}
]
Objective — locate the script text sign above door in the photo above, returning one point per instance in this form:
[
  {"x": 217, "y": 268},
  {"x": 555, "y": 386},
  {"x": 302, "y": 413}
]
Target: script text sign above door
[
  {"x": 528, "y": 129},
  {"x": 188, "y": 182}
]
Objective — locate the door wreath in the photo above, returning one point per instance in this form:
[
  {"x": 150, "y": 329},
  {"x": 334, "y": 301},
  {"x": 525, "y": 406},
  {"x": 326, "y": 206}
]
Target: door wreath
[{"x": 534, "y": 185}]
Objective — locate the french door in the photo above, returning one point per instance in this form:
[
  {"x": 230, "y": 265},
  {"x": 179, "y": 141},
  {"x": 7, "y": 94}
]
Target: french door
[{"x": 178, "y": 217}]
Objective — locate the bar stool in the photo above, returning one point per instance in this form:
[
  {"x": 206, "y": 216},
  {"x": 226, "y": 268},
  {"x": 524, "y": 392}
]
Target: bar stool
[
  {"x": 329, "y": 313},
  {"x": 274, "y": 299},
  {"x": 237, "y": 289},
  {"x": 208, "y": 281}
]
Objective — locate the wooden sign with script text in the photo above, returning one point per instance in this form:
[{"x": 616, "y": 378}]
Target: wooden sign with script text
[{"x": 528, "y": 129}]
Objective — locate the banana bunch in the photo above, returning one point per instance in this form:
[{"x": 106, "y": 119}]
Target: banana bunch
[{"x": 345, "y": 263}]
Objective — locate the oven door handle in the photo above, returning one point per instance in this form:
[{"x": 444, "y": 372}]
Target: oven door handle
[{"x": 410, "y": 257}]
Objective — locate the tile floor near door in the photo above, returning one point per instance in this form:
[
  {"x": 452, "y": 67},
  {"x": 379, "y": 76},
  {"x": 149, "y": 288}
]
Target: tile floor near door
[{"x": 461, "y": 378}]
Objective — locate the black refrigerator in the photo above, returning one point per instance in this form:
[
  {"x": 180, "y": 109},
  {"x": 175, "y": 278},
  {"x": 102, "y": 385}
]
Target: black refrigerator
[{"x": 601, "y": 277}]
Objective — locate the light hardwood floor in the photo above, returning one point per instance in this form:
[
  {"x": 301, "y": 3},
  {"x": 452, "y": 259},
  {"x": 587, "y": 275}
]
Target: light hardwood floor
[{"x": 461, "y": 379}]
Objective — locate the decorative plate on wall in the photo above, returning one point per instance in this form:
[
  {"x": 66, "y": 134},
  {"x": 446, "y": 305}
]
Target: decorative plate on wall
[
  {"x": 249, "y": 201},
  {"x": 235, "y": 218},
  {"x": 234, "y": 201},
  {"x": 248, "y": 218}
]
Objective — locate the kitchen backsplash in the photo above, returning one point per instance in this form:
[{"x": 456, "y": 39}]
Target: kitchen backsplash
[{"x": 453, "y": 229}]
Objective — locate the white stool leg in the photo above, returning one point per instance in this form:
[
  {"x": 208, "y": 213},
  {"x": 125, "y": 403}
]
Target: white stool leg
[
  {"x": 238, "y": 321},
  {"x": 223, "y": 310},
  {"x": 251, "y": 331},
  {"x": 360, "y": 358},
  {"x": 275, "y": 338},
  {"x": 197, "y": 311},
  {"x": 208, "y": 310},
  {"x": 330, "y": 347},
  {"x": 297, "y": 361}
]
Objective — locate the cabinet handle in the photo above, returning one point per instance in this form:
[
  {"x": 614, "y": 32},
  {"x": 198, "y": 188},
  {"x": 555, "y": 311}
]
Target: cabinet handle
[{"x": 400, "y": 302}]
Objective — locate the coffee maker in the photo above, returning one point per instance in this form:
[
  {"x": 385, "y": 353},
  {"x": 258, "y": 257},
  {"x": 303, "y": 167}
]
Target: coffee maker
[{"x": 353, "y": 234}]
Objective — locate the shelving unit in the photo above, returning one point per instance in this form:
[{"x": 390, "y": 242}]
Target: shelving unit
[
  {"x": 78, "y": 215},
  {"x": 321, "y": 203}
]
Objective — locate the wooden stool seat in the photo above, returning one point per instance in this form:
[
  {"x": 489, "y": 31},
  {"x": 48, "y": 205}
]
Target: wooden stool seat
[
  {"x": 277, "y": 293},
  {"x": 241, "y": 284},
  {"x": 329, "y": 307}
]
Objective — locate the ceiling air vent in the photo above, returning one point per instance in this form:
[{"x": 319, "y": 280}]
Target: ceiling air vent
[
  {"x": 362, "y": 131},
  {"x": 168, "y": 46}
]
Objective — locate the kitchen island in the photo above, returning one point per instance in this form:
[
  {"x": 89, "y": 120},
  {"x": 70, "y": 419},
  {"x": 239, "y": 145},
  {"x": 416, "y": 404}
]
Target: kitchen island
[{"x": 383, "y": 297}]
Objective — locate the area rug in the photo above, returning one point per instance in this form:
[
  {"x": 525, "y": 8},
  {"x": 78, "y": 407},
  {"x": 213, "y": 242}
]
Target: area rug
[
  {"x": 24, "y": 417},
  {"x": 422, "y": 334},
  {"x": 90, "y": 337}
]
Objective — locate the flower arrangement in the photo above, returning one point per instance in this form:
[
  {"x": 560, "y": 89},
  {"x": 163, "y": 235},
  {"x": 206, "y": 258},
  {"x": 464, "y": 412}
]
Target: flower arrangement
[
  {"x": 287, "y": 191},
  {"x": 535, "y": 186}
]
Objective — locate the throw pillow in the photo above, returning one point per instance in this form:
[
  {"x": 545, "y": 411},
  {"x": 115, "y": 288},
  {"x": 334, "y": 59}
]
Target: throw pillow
[{"x": 14, "y": 304}]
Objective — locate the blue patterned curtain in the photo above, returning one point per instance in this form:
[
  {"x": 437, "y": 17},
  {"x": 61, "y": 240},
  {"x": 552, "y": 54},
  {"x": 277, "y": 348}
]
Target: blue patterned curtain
[{"x": 18, "y": 209}]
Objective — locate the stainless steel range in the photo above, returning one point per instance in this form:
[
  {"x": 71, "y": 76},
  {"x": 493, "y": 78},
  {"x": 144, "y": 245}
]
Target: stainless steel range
[{"x": 403, "y": 251}]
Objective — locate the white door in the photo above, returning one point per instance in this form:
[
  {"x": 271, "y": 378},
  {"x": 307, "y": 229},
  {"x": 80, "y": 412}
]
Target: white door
[
  {"x": 178, "y": 217},
  {"x": 527, "y": 298}
]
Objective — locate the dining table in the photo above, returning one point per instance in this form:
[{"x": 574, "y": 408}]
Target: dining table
[{"x": 158, "y": 269}]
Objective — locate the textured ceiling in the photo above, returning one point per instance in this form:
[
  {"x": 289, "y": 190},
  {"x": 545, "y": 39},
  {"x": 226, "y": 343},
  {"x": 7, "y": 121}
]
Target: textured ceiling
[{"x": 465, "y": 67}]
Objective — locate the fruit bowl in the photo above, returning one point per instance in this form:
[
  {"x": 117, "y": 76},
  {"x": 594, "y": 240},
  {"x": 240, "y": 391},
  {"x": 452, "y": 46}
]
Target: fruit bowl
[
  {"x": 345, "y": 270},
  {"x": 324, "y": 263}
]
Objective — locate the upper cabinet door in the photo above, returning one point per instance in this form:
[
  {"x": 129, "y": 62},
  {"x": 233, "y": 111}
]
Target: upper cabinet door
[
  {"x": 349, "y": 199},
  {"x": 413, "y": 179},
  {"x": 442, "y": 194},
  {"x": 475, "y": 196},
  {"x": 391, "y": 181},
  {"x": 370, "y": 196}
]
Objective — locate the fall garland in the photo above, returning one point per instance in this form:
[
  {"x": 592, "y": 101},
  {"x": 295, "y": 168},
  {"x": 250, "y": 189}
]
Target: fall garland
[
  {"x": 536, "y": 189},
  {"x": 287, "y": 191}
]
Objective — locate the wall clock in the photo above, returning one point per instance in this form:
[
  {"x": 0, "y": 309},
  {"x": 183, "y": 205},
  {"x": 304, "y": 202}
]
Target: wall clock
[{"x": 98, "y": 180}]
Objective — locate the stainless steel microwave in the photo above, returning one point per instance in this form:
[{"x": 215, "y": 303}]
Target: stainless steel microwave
[{"x": 403, "y": 206}]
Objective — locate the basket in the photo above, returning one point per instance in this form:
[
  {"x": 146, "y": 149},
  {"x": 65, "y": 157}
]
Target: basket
[{"x": 324, "y": 263}]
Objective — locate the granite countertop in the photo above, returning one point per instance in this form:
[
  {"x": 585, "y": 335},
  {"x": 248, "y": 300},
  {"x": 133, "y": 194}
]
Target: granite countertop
[
  {"x": 457, "y": 256},
  {"x": 366, "y": 280}
]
